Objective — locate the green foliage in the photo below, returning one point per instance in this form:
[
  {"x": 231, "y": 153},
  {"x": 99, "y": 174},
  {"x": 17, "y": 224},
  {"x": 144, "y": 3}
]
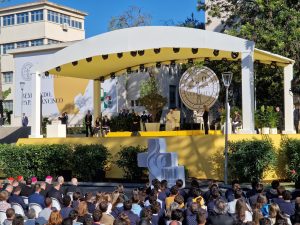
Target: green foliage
[
  {"x": 151, "y": 98},
  {"x": 291, "y": 150},
  {"x": 45, "y": 121},
  {"x": 191, "y": 22},
  {"x": 248, "y": 159},
  {"x": 88, "y": 161},
  {"x": 76, "y": 130},
  {"x": 120, "y": 123},
  {"x": 6, "y": 93},
  {"x": 127, "y": 160},
  {"x": 266, "y": 117}
]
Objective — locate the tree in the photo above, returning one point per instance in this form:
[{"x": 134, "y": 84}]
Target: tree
[
  {"x": 192, "y": 23},
  {"x": 133, "y": 17},
  {"x": 273, "y": 26}
]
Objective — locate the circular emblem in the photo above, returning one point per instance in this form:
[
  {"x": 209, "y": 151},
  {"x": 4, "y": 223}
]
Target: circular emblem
[
  {"x": 26, "y": 71},
  {"x": 199, "y": 87}
]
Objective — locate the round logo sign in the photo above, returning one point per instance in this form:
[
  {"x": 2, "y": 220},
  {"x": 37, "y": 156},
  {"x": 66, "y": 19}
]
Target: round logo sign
[
  {"x": 26, "y": 71},
  {"x": 199, "y": 87}
]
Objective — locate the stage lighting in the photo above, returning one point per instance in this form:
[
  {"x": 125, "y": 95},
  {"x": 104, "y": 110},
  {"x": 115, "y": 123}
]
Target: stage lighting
[
  {"x": 128, "y": 70},
  {"x": 176, "y": 50},
  {"x": 273, "y": 65},
  {"x": 234, "y": 55},
  {"x": 102, "y": 79},
  {"x": 224, "y": 60},
  {"x": 216, "y": 52},
  {"x": 112, "y": 76},
  {"x": 173, "y": 63},
  {"x": 133, "y": 53},
  {"x": 89, "y": 59},
  {"x": 206, "y": 60},
  {"x": 158, "y": 65},
  {"x": 190, "y": 61},
  {"x": 194, "y": 50},
  {"x": 120, "y": 55},
  {"x": 157, "y": 50},
  {"x": 104, "y": 57},
  {"x": 75, "y": 63},
  {"x": 46, "y": 73},
  {"x": 58, "y": 69},
  {"x": 141, "y": 52},
  {"x": 142, "y": 67}
]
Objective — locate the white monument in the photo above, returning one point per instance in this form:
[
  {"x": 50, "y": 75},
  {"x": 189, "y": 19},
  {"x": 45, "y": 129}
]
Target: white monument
[{"x": 161, "y": 164}]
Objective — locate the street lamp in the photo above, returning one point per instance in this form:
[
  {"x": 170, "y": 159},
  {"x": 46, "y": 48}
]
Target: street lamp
[
  {"x": 22, "y": 84},
  {"x": 226, "y": 77}
]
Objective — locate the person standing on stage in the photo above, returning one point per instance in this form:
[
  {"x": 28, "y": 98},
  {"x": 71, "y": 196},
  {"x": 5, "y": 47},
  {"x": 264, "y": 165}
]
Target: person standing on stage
[
  {"x": 205, "y": 119},
  {"x": 280, "y": 119},
  {"x": 88, "y": 123},
  {"x": 135, "y": 124},
  {"x": 296, "y": 119},
  {"x": 64, "y": 119},
  {"x": 24, "y": 120},
  {"x": 144, "y": 119}
]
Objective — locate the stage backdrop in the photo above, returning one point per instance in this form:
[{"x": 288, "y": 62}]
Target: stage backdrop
[{"x": 59, "y": 94}]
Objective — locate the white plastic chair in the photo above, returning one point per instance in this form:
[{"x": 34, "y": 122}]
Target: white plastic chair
[
  {"x": 25, "y": 199},
  {"x": 18, "y": 209},
  {"x": 55, "y": 204},
  {"x": 71, "y": 195},
  {"x": 37, "y": 208},
  {"x": 2, "y": 217}
]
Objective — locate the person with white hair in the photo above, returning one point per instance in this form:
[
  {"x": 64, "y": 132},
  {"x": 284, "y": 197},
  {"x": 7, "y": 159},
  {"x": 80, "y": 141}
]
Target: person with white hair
[
  {"x": 220, "y": 215},
  {"x": 74, "y": 186}
]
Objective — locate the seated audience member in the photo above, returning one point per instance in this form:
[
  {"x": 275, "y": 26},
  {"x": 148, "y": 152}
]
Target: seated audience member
[
  {"x": 122, "y": 220},
  {"x": 238, "y": 194},
  {"x": 296, "y": 217},
  {"x": 176, "y": 216},
  {"x": 275, "y": 214},
  {"x": 65, "y": 211},
  {"x": 134, "y": 219},
  {"x": 243, "y": 212},
  {"x": 296, "y": 192},
  {"x": 146, "y": 214},
  {"x": 27, "y": 189},
  {"x": 173, "y": 192},
  {"x": 181, "y": 191},
  {"x": 279, "y": 198},
  {"x": 48, "y": 181},
  {"x": 207, "y": 195},
  {"x": 164, "y": 190},
  {"x": 16, "y": 198},
  {"x": 157, "y": 217},
  {"x": 33, "y": 181},
  {"x": 74, "y": 187},
  {"x": 76, "y": 199},
  {"x": 55, "y": 218},
  {"x": 43, "y": 189},
  {"x": 45, "y": 213},
  {"x": 229, "y": 194},
  {"x": 259, "y": 190},
  {"x": 117, "y": 207},
  {"x": 97, "y": 215},
  {"x": 18, "y": 220},
  {"x": 180, "y": 200},
  {"x": 55, "y": 192},
  {"x": 73, "y": 215},
  {"x": 287, "y": 207},
  {"x": 190, "y": 217},
  {"x": 82, "y": 211},
  {"x": 31, "y": 217},
  {"x": 272, "y": 192},
  {"x": 10, "y": 215},
  {"x": 106, "y": 218},
  {"x": 214, "y": 197},
  {"x": 90, "y": 203},
  {"x": 68, "y": 221},
  {"x": 252, "y": 191},
  {"x": 195, "y": 196},
  {"x": 136, "y": 208},
  {"x": 220, "y": 215},
  {"x": 9, "y": 189},
  {"x": 201, "y": 218},
  {"x": 36, "y": 197},
  {"x": 4, "y": 205}
]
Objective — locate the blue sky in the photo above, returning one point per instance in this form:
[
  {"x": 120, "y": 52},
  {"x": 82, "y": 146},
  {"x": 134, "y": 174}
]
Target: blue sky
[{"x": 101, "y": 11}]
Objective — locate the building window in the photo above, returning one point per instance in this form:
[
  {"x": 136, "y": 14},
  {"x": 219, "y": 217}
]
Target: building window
[
  {"x": 53, "y": 16},
  {"x": 37, "y": 15},
  {"x": 8, "y": 105},
  {"x": 76, "y": 24},
  {"x": 37, "y": 42},
  {"x": 51, "y": 41},
  {"x": 65, "y": 19},
  {"x": 22, "y": 17},
  {"x": 172, "y": 96},
  {"x": 22, "y": 44},
  {"x": 7, "y": 77},
  {"x": 7, "y": 47},
  {"x": 9, "y": 20}
]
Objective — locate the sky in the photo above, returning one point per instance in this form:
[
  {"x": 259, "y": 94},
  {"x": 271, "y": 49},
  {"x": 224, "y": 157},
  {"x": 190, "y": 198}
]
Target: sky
[{"x": 101, "y": 11}]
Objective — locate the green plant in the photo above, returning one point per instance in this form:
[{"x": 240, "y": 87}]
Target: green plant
[
  {"x": 120, "y": 123},
  {"x": 265, "y": 116},
  {"x": 248, "y": 159},
  {"x": 151, "y": 98},
  {"x": 291, "y": 150},
  {"x": 45, "y": 122},
  {"x": 88, "y": 161},
  {"x": 127, "y": 160}
]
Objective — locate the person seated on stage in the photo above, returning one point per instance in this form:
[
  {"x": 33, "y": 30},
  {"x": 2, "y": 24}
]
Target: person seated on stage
[
  {"x": 135, "y": 127},
  {"x": 171, "y": 122},
  {"x": 144, "y": 119},
  {"x": 237, "y": 121},
  {"x": 97, "y": 126},
  {"x": 105, "y": 125}
]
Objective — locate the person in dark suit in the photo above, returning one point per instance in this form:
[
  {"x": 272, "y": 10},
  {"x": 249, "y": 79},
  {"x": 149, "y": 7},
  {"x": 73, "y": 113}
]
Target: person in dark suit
[
  {"x": 16, "y": 198},
  {"x": 88, "y": 123},
  {"x": 296, "y": 119},
  {"x": 55, "y": 192},
  {"x": 36, "y": 197},
  {"x": 280, "y": 126},
  {"x": 205, "y": 119},
  {"x": 27, "y": 189},
  {"x": 74, "y": 187},
  {"x": 24, "y": 120}
]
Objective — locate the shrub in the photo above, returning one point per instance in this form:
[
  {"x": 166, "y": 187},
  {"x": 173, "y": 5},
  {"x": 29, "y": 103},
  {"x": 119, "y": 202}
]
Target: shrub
[
  {"x": 248, "y": 159},
  {"x": 127, "y": 160},
  {"x": 89, "y": 161},
  {"x": 120, "y": 123},
  {"x": 291, "y": 150}
]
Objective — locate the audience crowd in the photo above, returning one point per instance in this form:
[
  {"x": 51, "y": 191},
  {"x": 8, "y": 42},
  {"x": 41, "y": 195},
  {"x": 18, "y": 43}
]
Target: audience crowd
[{"x": 31, "y": 202}]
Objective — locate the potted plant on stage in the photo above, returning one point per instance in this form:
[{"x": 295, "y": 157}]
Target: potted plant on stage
[
  {"x": 262, "y": 120},
  {"x": 153, "y": 101},
  {"x": 273, "y": 119}
]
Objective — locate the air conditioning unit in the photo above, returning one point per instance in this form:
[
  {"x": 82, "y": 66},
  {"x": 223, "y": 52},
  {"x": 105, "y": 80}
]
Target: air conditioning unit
[{"x": 65, "y": 27}]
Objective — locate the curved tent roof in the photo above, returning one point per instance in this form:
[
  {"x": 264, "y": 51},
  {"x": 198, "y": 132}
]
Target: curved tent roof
[{"x": 115, "y": 51}]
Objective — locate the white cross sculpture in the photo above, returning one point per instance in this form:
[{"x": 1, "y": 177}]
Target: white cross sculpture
[{"x": 161, "y": 164}]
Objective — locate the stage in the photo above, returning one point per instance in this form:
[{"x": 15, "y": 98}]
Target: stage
[{"x": 202, "y": 155}]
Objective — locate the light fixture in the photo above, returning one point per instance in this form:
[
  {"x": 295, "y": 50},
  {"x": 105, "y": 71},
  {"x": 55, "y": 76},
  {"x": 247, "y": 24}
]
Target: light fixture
[
  {"x": 58, "y": 69},
  {"x": 190, "y": 61},
  {"x": 216, "y": 52},
  {"x": 234, "y": 55},
  {"x": 128, "y": 70},
  {"x": 224, "y": 60},
  {"x": 176, "y": 50},
  {"x": 206, "y": 60},
  {"x": 112, "y": 76},
  {"x": 89, "y": 59},
  {"x": 133, "y": 53},
  {"x": 173, "y": 63},
  {"x": 273, "y": 65},
  {"x": 46, "y": 73},
  {"x": 142, "y": 67},
  {"x": 141, "y": 52},
  {"x": 22, "y": 84},
  {"x": 227, "y": 77},
  {"x": 156, "y": 50},
  {"x": 158, "y": 65},
  {"x": 104, "y": 57},
  {"x": 194, "y": 50},
  {"x": 102, "y": 79},
  {"x": 120, "y": 55},
  {"x": 75, "y": 63}
]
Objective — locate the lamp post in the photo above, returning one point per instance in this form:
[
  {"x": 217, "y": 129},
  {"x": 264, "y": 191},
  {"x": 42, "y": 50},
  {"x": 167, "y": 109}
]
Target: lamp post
[
  {"x": 22, "y": 84},
  {"x": 226, "y": 77}
]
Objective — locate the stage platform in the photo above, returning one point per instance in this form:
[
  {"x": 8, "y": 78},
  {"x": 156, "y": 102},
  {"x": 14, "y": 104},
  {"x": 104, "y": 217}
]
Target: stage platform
[{"x": 202, "y": 155}]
